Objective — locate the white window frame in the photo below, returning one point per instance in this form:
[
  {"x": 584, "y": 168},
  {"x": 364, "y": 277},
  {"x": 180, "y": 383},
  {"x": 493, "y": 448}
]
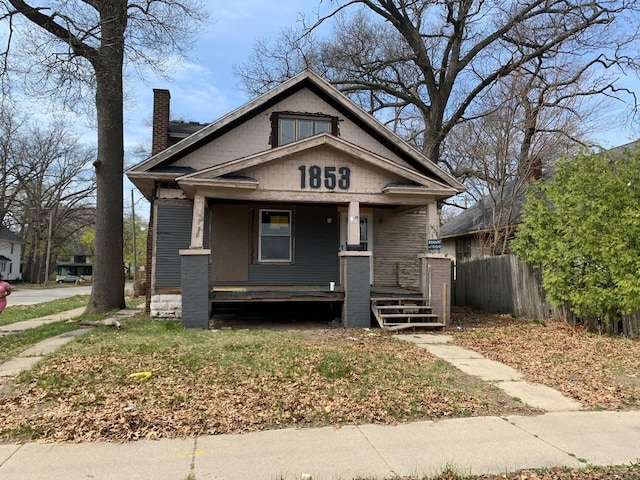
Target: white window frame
[
  {"x": 261, "y": 235},
  {"x": 296, "y": 128}
]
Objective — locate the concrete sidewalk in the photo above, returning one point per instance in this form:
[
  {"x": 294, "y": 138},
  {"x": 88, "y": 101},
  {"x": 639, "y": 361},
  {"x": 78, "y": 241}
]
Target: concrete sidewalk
[{"x": 472, "y": 445}]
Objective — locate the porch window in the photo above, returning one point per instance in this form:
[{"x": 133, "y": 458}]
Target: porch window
[{"x": 275, "y": 236}]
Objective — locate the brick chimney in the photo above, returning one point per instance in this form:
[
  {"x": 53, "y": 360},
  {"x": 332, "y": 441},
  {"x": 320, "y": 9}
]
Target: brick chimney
[{"x": 160, "y": 135}]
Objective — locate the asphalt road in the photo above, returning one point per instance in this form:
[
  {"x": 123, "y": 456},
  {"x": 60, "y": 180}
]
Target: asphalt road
[{"x": 31, "y": 295}]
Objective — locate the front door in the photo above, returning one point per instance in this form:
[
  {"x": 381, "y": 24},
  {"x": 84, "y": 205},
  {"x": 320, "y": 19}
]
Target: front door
[{"x": 366, "y": 236}]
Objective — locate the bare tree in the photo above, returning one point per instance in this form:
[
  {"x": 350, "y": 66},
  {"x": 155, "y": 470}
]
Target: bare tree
[
  {"x": 86, "y": 45},
  {"x": 59, "y": 192},
  {"x": 430, "y": 62},
  {"x": 13, "y": 171},
  {"x": 529, "y": 121}
]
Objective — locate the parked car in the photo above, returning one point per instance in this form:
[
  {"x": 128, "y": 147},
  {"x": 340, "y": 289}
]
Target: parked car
[{"x": 68, "y": 279}]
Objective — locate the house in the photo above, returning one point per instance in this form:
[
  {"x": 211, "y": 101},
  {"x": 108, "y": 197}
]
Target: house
[
  {"x": 10, "y": 255},
  {"x": 78, "y": 265},
  {"x": 297, "y": 196},
  {"x": 481, "y": 230}
]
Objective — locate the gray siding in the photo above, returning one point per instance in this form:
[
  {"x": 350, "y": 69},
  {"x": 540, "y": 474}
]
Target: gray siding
[
  {"x": 173, "y": 233},
  {"x": 315, "y": 252}
]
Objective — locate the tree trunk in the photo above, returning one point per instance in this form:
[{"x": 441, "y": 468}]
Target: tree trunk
[{"x": 108, "y": 266}]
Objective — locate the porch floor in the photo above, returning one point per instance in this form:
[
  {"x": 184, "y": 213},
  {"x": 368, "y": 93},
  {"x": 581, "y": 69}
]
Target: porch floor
[{"x": 296, "y": 293}]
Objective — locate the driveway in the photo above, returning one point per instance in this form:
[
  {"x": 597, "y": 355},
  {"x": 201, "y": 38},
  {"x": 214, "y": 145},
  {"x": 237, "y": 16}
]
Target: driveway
[{"x": 31, "y": 296}]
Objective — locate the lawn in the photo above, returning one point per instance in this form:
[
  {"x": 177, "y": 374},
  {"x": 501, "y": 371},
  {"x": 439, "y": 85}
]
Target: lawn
[
  {"x": 600, "y": 371},
  {"x": 233, "y": 381}
]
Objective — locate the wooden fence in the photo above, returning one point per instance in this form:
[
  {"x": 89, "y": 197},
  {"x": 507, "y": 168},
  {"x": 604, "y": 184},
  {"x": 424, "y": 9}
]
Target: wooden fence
[{"x": 503, "y": 284}]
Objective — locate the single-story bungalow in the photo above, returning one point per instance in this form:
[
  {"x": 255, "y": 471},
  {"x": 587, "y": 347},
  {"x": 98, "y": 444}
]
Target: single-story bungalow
[{"x": 297, "y": 196}]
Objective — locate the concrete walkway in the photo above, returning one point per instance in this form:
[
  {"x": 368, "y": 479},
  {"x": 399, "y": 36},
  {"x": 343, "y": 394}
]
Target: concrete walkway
[
  {"x": 27, "y": 359},
  {"x": 504, "y": 377}
]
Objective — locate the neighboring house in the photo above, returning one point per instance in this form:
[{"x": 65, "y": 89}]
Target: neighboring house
[
  {"x": 299, "y": 195},
  {"x": 10, "y": 255},
  {"x": 78, "y": 265},
  {"x": 468, "y": 235}
]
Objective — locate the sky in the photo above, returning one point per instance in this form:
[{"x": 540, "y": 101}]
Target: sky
[{"x": 205, "y": 88}]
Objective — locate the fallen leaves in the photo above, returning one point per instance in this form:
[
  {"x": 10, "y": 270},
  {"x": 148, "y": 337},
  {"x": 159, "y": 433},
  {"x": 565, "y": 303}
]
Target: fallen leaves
[
  {"x": 234, "y": 382},
  {"x": 598, "y": 371}
]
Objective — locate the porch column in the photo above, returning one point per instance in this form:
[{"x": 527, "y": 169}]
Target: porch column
[
  {"x": 433, "y": 221},
  {"x": 197, "y": 223},
  {"x": 435, "y": 269},
  {"x": 353, "y": 227},
  {"x": 356, "y": 310},
  {"x": 195, "y": 272}
]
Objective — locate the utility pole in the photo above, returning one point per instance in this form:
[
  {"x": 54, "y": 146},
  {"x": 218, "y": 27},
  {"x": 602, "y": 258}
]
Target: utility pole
[
  {"x": 133, "y": 223},
  {"x": 46, "y": 268}
]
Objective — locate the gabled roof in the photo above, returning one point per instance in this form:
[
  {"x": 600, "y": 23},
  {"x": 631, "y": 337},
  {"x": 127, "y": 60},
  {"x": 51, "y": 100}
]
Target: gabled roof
[
  {"x": 6, "y": 234},
  {"x": 230, "y": 169},
  {"x": 505, "y": 205},
  {"x": 306, "y": 79}
]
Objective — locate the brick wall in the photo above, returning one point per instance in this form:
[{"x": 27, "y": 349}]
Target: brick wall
[{"x": 160, "y": 132}]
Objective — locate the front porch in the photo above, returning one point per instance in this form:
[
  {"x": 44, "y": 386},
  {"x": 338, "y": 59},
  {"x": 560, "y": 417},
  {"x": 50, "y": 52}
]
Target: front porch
[{"x": 392, "y": 308}]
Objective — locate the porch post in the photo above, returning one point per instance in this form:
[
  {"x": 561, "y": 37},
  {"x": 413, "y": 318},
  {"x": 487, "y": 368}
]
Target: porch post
[
  {"x": 356, "y": 310},
  {"x": 433, "y": 221},
  {"x": 195, "y": 272},
  {"x": 353, "y": 226},
  {"x": 435, "y": 283},
  {"x": 436, "y": 270}
]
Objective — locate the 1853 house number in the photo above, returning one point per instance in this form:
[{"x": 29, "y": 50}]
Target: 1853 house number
[{"x": 333, "y": 177}]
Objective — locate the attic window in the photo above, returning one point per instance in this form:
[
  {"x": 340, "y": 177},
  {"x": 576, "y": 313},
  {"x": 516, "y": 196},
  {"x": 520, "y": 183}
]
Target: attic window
[{"x": 288, "y": 128}]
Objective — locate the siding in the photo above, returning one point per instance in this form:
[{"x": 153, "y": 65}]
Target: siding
[
  {"x": 397, "y": 241},
  {"x": 315, "y": 252},
  {"x": 253, "y": 135},
  {"x": 173, "y": 233}
]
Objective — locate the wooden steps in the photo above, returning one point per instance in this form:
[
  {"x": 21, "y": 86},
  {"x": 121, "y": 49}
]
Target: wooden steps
[{"x": 397, "y": 313}]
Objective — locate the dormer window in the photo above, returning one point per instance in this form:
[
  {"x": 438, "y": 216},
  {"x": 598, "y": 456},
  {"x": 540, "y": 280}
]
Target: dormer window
[{"x": 289, "y": 127}]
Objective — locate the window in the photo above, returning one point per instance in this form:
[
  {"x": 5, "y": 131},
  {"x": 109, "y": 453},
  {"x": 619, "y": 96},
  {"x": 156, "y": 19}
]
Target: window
[
  {"x": 287, "y": 127},
  {"x": 292, "y": 129},
  {"x": 275, "y": 236},
  {"x": 463, "y": 249}
]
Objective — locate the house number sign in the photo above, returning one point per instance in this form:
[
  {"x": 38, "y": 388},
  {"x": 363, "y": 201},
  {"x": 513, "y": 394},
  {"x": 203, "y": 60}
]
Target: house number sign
[{"x": 330, "y": 177}]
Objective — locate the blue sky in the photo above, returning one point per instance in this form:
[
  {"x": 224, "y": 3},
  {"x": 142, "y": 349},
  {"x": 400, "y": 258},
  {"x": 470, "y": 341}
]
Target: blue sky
[{"x": 205, "y": 88}]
